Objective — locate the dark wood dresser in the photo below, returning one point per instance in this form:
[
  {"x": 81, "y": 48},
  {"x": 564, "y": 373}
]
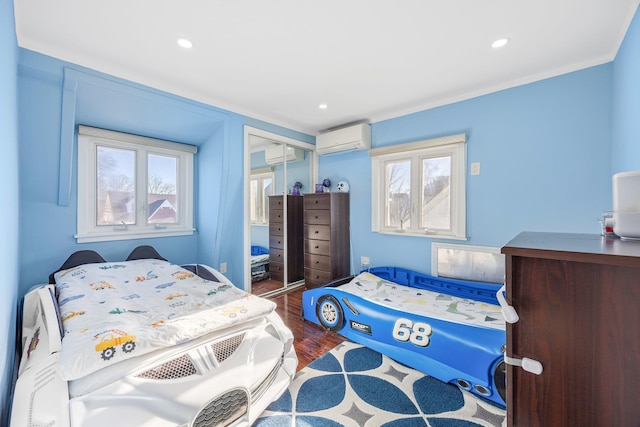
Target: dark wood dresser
[
  {"x": 578, "y": 299},
  {"x": 326, "y": 238},
  {"x": 294, "y": 256}
]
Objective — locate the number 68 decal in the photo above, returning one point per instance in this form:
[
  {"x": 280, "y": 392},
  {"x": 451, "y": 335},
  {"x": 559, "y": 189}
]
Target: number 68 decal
[{"x": 417, "y": 333}]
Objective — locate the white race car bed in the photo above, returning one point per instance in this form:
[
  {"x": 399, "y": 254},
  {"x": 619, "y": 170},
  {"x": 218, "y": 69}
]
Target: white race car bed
[{"x": 147, "y": 343}]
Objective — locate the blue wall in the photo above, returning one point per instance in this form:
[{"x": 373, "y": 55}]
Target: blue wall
[
  {"x": 547, "y": 151},
  {"x": 626, "y": 101},
  {"x": 545, "y": 156},
  {"x": 55, "y": 97},
  {"x": 9, "y": 225},
  {"x": 48, "y": 180}
]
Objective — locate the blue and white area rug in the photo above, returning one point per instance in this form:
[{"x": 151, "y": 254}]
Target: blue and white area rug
[{"x": 355, "y": 386}]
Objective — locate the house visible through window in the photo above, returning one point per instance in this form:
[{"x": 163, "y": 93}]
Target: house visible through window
[
  {"x": 418, "y": 188},
  {"x": 132, "y": 187}
]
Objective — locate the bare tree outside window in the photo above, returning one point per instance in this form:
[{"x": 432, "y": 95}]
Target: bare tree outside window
[
  {"x": 115, "y": 173},
  {"x": 162, "y": 200},
  {"x": 158, "y": 186},
  {"x": 419, "y": 188},
  {"x": 398, "y": 212},
  {"x": 132, "y": 187},
  {"x": 436, "y": 193}
]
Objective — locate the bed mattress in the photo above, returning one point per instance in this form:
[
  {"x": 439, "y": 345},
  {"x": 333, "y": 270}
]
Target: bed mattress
[{"x": 427, "y": 303}]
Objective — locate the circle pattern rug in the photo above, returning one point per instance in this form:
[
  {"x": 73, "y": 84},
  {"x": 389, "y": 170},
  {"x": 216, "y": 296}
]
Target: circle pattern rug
[{"x": 355, "y": 386}]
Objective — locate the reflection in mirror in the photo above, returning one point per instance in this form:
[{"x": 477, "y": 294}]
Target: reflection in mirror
[{"x": 280, "y": 174}]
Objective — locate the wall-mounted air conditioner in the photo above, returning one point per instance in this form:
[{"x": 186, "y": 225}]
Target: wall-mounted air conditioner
[
  {"x": 356, "y": 137},
  {"x": 275, "y": 155}
]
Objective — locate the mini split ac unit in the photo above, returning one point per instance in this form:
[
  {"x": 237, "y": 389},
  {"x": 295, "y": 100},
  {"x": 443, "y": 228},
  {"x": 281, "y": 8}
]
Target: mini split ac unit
[
  {"x": 356, "y": 137},
  {"x": 275, "y": 155}
]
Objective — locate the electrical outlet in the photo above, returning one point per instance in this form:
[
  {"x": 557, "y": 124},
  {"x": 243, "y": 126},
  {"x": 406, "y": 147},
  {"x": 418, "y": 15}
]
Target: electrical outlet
[
  {"x": 223, "y": 267},
  {"x": 475, "y": 168},
  {"x": 364, "y": 260}
]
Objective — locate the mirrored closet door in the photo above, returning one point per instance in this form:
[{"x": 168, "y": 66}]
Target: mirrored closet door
[{"x": 280, "y": 171}]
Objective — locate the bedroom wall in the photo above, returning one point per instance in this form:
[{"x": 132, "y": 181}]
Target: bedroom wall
[
  {"x": 545, "y": 155},
  {"x": 626, "y": 101},
  {"x": 99, "y": 100},
  {"x": 9, "y": 225},
  {"x": 49, "y": 224}
]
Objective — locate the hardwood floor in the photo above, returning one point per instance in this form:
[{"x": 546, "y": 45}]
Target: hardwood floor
[
  {"x": 310, "y": 340},
  {"x": 264, "y": 286}
]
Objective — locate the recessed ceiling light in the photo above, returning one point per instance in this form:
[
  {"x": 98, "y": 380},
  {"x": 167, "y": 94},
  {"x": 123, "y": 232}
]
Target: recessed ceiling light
[
  {"x": 499, "y": 43},
  {"x": 185, "y": 43},
  {"x": 323, "y": 106}
]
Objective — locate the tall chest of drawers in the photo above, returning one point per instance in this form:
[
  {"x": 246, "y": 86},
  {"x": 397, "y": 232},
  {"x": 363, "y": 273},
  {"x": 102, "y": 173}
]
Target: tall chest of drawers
[
  {"x": 293, "y": 225},
  {"x": 326, "y": 238}
]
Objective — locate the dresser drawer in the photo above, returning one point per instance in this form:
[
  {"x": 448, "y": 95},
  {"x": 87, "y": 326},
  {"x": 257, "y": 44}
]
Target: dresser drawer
[
  {"x": 276, "y": 271},
  {"x": 318, "y": 247},
  {"x": 319, "y": 232},
  {"x": 276, "y": 241},
  {"x": 317, "y": 201},
  {"x": 276, "y": 215},
  {"x": 317, "y": 216},
  {"x": 314, "y": 278},
  {"x": 276, "y": 229},
  {"x": 276, "y": 255},
  {"x": 317, "y": 262},
  {"x": 275, "y": 202}
]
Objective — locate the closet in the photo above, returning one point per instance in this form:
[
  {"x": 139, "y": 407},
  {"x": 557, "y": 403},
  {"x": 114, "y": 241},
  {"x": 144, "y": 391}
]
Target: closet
[{"x": 278, "y": 170}]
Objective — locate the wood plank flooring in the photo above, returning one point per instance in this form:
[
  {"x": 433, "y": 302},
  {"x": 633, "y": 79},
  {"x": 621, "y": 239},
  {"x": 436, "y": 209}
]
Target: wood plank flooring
[
  {"x": 264, "y": 286},
  {"x": 310, "y": 340}
]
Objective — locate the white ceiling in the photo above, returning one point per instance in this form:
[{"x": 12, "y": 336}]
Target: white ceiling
[{"x": 367, "y": 59}]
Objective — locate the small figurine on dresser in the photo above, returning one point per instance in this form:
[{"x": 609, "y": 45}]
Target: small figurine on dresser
[{"x": 296, "y": 189}]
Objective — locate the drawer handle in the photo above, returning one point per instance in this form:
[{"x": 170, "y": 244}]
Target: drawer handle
[
  {"x": 508, "y": 312},
  {"x": 317, "y": 262},
  {"x": 316, "y": 231},
  {"x": 317, "y": 217},
  {"x": 317, "y": 247},
  {"x": 529, "y": 365}
]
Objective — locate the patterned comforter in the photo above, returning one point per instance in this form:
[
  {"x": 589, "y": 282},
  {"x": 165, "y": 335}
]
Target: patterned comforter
[
  {"x": 424, "y": 302},
  {"x": 118, "y": 310}
]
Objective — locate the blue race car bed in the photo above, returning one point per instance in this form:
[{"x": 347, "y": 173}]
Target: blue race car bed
[{"x": 450, "y": 329}]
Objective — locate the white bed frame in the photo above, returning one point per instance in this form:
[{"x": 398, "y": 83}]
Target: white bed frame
[{"x": 225, "y": 378}]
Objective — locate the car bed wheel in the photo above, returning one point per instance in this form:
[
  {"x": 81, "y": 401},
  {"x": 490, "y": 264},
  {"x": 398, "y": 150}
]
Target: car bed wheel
[
  {"x": 500, "y": 380},
  {"x": 329, "y": 313}
]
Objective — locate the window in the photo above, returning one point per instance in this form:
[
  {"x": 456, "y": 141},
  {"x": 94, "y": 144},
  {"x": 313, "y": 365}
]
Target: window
[
  {"x": 418, "y": 188},
  {"x": 261, "y": 187},
  {"x": 132, "y": 187}
]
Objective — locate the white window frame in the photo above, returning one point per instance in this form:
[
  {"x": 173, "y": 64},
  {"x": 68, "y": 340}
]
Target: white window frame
[
  {"x": 87, "y": 230},
  {"x": 454, "y": 146},
  {"x": 260, "y": 175}
]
